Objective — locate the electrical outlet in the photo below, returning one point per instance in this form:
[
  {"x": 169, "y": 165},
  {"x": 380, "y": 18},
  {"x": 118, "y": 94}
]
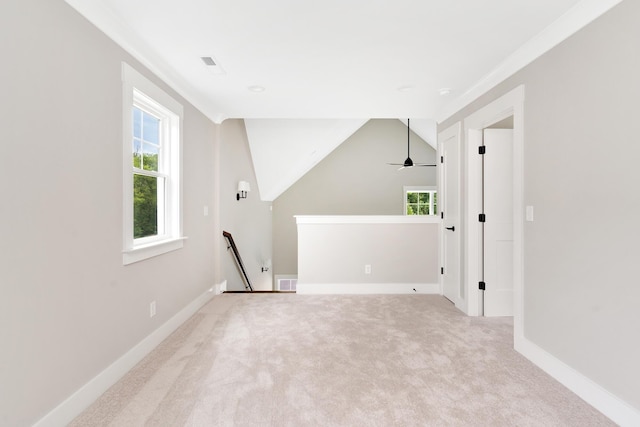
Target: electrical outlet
[
  {"x": 367, "y": 269},
  {"x": 152, "y": 309}
]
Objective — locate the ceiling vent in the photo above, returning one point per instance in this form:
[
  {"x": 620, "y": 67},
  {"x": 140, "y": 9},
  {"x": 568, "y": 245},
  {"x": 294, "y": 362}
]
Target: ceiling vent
[
  {"x": 212, "y": 65},
  {"x": 208, "y": 61}
]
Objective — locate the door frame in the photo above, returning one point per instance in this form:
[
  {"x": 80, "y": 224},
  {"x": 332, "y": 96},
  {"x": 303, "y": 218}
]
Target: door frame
[
  {"x": 510, "y": 104},
  {"x": 452, "y": 132}
]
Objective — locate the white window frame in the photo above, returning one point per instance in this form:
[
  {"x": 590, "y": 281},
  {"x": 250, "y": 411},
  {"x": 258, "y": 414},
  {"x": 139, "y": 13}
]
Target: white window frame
[
  {"x": 412, "y": 189},
  {"x": 138, "y": 91}
]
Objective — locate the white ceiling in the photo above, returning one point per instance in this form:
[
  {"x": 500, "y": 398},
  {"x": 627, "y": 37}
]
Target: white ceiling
[{"x": 334, "y": 59}]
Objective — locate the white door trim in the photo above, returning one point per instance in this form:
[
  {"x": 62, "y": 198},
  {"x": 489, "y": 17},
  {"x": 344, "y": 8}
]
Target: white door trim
[{"x": 510, "y": 104}]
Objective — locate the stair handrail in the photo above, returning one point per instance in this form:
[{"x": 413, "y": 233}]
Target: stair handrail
[{"x": 232, "y": 245}]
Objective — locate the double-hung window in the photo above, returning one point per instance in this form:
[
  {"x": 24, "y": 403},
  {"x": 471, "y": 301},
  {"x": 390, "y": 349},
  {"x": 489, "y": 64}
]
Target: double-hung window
[
  {"x": 152, "y": 169},
  {"x": 420, "y": 201}
]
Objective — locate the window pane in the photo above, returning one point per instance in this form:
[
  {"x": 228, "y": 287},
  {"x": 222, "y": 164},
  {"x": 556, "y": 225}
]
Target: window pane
[
  {"x": 424, "y": 197},
  {"x": 137, "y": 122},
  {"x": 435, "y": 203},
  {"x": 150, "y": 128},
  {"x": 145, "y": 206},
  {"x": 412, "y": 209},
  {"x": 137, "y": 153},
  {"x": 150, "y": 157},
  {"x": 424, "y": 209},
  {"x": 412, "y": 197}
]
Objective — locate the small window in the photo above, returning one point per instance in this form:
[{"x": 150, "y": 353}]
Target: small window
[
  {"x": 152, "y": 169},
  {"x": 420, "y": 201}
]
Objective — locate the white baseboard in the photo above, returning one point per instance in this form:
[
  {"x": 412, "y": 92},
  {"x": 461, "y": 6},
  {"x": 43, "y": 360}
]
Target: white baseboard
[
  {"x": 64, "y": 413},
  {"x": 613, "y": 407},
  {"x": 219, "y": 288},
  {"x": 368, "y": 288}
]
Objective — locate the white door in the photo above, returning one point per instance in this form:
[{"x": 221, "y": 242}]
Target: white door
[
  {"x": 498, "y": 226},
  {"x": 449, "y": 201}
]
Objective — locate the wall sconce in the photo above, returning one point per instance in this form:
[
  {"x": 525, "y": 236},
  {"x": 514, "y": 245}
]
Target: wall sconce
[{"x": 243, "y": 189}]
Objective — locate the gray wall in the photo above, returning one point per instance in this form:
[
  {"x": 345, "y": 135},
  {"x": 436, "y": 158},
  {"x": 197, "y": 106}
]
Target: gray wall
[
  {"x": 397, "y": 253},
  {"x": 68, "y": 307},
  {"x": 581, "y": 269},
  {"x": 353, "y": 180},
  {"x": 248, "y": 220}
]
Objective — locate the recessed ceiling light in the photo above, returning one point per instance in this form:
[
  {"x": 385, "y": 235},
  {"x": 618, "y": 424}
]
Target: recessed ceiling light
[
  {"x": 405, "y": 88},
  {"x": 256, "y": 89},
  {"x": 444, "y": 91}
]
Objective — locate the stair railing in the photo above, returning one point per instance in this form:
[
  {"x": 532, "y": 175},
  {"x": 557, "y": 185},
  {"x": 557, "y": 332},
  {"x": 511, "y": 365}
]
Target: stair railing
[{"x": 231, "y": 245}]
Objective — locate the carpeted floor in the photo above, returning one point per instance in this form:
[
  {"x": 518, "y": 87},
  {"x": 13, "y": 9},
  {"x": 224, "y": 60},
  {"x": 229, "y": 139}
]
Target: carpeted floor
[{"x": 364, "y": 360}]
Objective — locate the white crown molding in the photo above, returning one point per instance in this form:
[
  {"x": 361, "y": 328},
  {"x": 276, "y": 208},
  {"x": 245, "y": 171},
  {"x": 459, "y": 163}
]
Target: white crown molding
[
  {"x": 573, "y": 20},
  {"x": 577, "y": 17},
  {"x": 108, "y": 22}
]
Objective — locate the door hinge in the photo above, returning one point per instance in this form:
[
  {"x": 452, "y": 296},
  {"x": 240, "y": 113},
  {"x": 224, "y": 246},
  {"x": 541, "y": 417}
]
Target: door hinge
[
  {"x": 482, "y": 286},
  {"x": 441, "y": 159},
  {"x": 441, "y": 270},
  {"x": 441, "y": 215},
  {"x": 482, "y": 149},
  {"x": 482, "y": 218}
]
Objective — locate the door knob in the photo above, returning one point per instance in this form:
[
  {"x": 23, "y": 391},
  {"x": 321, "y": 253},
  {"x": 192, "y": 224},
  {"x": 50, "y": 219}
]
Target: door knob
[{"x": 452, "y": 228}]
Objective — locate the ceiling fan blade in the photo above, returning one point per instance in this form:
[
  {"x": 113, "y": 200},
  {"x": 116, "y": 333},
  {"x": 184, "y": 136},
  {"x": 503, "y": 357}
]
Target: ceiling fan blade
[
  {"x": 423, "y": 164},
  {"x": 396, "y": 164}
]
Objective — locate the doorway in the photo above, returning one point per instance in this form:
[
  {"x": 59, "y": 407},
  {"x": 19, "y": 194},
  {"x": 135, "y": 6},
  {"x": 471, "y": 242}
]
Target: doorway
[{"x": 510, "y": 105}]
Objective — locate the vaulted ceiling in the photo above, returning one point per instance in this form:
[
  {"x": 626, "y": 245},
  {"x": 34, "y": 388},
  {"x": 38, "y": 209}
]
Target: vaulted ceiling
[{"x": 281, "y": 63}]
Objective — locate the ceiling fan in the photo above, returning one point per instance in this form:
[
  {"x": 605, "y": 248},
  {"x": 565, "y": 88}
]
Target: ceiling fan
[{"x": 408, "y": 163}]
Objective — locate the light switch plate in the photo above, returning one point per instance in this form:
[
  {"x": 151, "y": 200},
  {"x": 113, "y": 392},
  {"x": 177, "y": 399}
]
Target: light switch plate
[{"x": 529, "y": 213}]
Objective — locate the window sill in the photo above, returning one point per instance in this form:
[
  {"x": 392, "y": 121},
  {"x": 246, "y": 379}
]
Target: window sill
[{"x": 150, "y": 250}]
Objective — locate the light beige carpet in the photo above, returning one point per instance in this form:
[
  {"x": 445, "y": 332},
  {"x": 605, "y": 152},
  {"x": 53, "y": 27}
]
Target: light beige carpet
[{"x": 302, "y": 360}]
